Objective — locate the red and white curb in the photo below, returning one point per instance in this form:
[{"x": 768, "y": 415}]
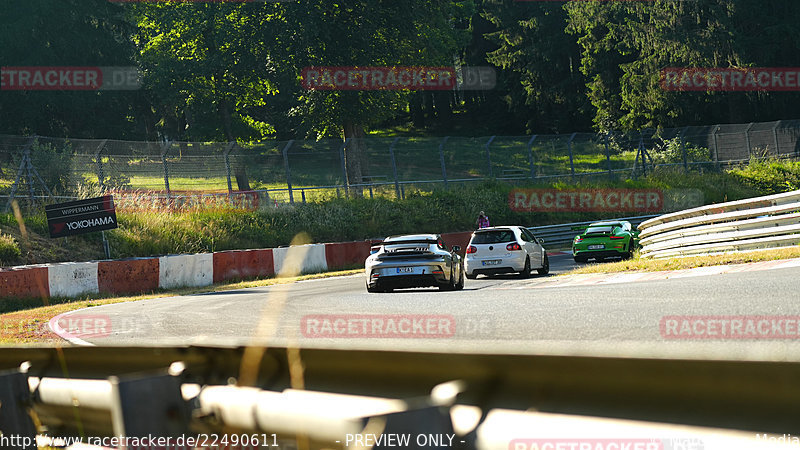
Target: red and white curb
[{"x": 632, "y": 277}]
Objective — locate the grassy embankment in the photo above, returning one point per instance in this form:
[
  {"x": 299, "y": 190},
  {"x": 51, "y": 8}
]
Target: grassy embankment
[{"x": 340, "y": 219}]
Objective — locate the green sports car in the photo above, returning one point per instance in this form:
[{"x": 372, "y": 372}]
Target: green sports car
[{"x": 601, "y": 240}]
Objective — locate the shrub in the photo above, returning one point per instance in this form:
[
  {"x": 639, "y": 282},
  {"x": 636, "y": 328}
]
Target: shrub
[
  {"x": 9, "y": 250},
  {"x": 769, "y": 176}
]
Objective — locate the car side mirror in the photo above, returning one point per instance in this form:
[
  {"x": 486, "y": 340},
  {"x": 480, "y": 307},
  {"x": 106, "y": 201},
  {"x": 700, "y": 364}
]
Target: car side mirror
[
  {"x": 456, "y": 248},
  {"x": 540, "y": 241}
]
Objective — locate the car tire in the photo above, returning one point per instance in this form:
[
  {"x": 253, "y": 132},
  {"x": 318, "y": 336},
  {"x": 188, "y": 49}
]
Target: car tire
[
  {"x": 450, "y": 285},
  {"x": 460, "y": 284},
  {"x": 629, "y": 253},
  {"x": 600, "y": 259},
  {"x": 471, "y": 277},
  {"x": 545, "y": 266},
  {"x": 374, "y": 290},
  {"x": 580, "y": 259},
  {"x": 526, "y": 271}
]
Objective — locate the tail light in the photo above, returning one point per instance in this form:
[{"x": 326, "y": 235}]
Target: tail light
[
  {"x": 472, "y": 249},
  {"x": 617, "y": 237},
  {"x": 513, "y": 246}
]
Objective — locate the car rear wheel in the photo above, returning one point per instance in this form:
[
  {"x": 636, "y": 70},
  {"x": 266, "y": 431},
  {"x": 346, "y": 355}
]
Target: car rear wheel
[
  {"x": 460, "y": 284},
  {"x": 373, "y": 290},
  {"x": 526, "y": 271},
  {"x": 472, "y": 277},
  {"x": 545, "y": 266},
  {"x": 629, "y": 253},
  {"x": 580, "y": 259},
  {"x": 450, "y": 285}
]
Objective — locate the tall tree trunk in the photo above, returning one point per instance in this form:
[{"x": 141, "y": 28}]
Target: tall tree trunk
[
  {"x": 239, "y": 170},
  {"x": 417, "y": 113},
  {"x": 353, "y": 155},
  {"x": 444, "y": 109}
]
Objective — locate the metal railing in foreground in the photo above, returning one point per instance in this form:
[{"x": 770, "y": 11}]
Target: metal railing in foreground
[
  {"x": 752, "y": 224},
  {"x": 314, "y": 398}
]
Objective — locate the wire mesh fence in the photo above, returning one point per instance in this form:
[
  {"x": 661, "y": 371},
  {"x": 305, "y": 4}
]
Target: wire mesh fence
[{"x": 186, "y": 175}]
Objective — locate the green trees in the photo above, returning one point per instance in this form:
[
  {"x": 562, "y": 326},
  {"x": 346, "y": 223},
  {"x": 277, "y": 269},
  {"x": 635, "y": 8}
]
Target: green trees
[
  {"x": 67, "y": 33},
  {"x": 231, "y": 70},
  {"x": 626, "y": 44}
]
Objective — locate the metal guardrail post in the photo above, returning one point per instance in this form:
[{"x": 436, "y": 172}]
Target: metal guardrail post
[
  {"x": 683, "y": 150},
  {"x": 571, "y": 160},
  {"x": 775, "y": 137},
  {"x": 747, "y": 139},
  {"x": 489, "y": 155},
  {"x": 441, "y": 160},
  {"x": 144, "y": 406},
  {"x": 15, "y": 423},
  {"x": 716, "y": 146},
  {"x": 641, "y": 152},
  {"x": 394, "y": 167},
  {"x": 20, "y": 171},
  {"x": 342, "y": 160},
  {"x": 288, "y": 171},
  {"x": 99, "y": 161},
  {"x": 530, "y": 156},
  {"x": 226, "y": 155},
  {"x": 29, "y": 172},
  {"x": 164, "y": 148}
]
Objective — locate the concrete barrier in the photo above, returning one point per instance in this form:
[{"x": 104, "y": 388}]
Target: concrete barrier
[
  {"x": 128, "y": 276},
  {"x": 24, "y": 282},
  {"x": 243, "y": 264},
  {"x": 72, "y": 279},
  {"x": 346, "y": 254},
  {"x": 180, "y": 271},
  {"x": 314, "y": 259}
]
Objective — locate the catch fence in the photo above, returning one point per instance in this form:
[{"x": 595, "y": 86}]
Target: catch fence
[{"x": 196, "y": 174}]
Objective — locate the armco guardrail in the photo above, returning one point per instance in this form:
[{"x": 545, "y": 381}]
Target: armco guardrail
[
  {"x": 202, "y": 393},
  {"x": 758, "y": 223},
  {"x": 561, "y": 236}
]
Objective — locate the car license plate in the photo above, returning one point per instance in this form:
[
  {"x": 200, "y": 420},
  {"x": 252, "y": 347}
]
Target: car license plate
[
  {"x": 405, "y": 270},
  {"x": 597, "y": 247},
  {"x": 491, "y": 262}
]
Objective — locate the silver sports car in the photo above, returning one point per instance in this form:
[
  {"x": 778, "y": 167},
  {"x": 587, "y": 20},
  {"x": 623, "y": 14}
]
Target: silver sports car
[{"x": 419, "y": 260}]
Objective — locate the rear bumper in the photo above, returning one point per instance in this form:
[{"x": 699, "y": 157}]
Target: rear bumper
[
  {"x": 599, "y": 253},
  {"x": 494, "y": 271},
  {"x": 507, "y": 265},
  {"x": 408, "y": 281},
  {"x": 386, "y": 276}
]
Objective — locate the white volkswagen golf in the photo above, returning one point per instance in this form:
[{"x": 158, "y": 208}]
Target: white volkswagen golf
[{"x": 510, "y": 249}]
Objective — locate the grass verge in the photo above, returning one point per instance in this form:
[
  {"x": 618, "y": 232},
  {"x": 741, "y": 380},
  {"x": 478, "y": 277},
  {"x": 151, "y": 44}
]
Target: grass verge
[
  {"x": 638, "y": 264},
  {"x": 29, "y": 326}
]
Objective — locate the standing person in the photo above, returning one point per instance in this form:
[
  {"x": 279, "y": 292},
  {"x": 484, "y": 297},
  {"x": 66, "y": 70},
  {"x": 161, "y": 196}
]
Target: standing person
[{"x": 483, "y": 220}]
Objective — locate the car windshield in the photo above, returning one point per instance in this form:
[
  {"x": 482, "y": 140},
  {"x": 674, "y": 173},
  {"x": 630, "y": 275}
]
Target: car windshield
[
  {"x": 300, "y": 197},
  {"x": 494, "y": 237}
]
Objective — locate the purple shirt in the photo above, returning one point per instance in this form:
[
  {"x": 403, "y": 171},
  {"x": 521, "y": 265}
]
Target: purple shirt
[{"x": 483, "y": 222}]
